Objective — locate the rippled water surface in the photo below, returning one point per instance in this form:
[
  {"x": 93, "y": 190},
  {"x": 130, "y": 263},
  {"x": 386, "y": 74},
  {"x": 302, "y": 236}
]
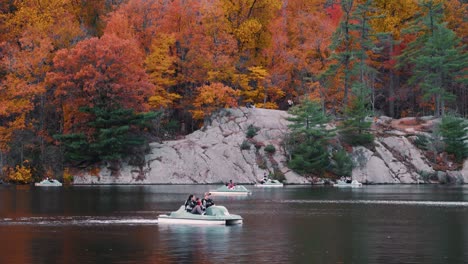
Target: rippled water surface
[{"x": 118, "y": 224}]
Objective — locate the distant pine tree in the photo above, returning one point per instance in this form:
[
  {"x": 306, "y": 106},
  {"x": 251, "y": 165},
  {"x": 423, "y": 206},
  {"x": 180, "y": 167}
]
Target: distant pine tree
[
  {"x": 455, "y": 136},
  {"x": 355, "y": 130},
  {"x": 342, "y": 163},
  {"x": 309, "y": 138},
  {"x": 438, "y": 59},
  {"x": 116, "y": 135},
  {"x": 310, "y": 157}
]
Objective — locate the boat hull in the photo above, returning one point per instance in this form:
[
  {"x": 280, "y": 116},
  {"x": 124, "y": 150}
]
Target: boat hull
[
  {"x": 347, "y": 186},
  {"x": 48, "y": 184},
  {"x": 268, "y": 185},
  {"x": 164, "y": 219},
  {"x": 353, "y": 184},
  {"x": 230, "y": 193},
  {"x": 238, "y": 190},
  {"x": 214, "y": 215}
]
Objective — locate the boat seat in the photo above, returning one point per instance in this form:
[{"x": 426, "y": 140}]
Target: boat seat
[{"x": 216, "y": 210}]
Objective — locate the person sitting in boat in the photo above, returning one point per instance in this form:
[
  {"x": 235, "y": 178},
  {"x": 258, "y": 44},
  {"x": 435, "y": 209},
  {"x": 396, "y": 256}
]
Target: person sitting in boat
[
  {"x": 207, "y": 201},
  {"x": 190, "y": 203},
  {"x": 197, "y": 209},
  {"x": 231, "y": 185}
]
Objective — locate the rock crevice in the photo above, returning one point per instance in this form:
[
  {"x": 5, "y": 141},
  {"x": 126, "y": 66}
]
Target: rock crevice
[{"x": 214, "y": 155}]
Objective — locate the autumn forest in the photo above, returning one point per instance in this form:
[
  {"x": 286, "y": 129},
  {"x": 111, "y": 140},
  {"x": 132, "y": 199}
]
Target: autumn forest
[{"x": 85, "y": 81}]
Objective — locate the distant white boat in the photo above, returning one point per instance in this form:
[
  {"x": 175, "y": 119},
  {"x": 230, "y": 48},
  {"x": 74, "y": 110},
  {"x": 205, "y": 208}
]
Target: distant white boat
[
  {"x": 353, "y": 184},
  {"x": 319, "y": 182},
  {"x": 236, "y": 190},
  {"x": 269, "y": 184},
  {"x": 48, "y": 182}
]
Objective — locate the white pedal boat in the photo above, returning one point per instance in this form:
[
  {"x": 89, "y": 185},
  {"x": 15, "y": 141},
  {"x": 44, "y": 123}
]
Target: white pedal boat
[
  {"x": 214, "y": 215},
  {"x": 269, "y": 184}
]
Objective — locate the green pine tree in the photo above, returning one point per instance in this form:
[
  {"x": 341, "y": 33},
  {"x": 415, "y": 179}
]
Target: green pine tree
[
  {"x": 76, "y": 148},
  {"x": 437, "y": 57},
  {"x": 351, "y": 45},
  {"x": 355, "y": 130},
  {"x": 116, "y": 135},
  {"x": 342, "y": 165},
  {"x": 310, "y": 157},
  {"x": 309, "y": 139},
  {"x": 454, "y": 132}
]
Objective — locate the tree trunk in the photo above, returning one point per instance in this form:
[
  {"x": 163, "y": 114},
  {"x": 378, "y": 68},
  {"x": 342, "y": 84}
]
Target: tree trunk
[
  {"x": 1, "y": 163},
  {"x": 391, "y": 87},
  {"x": 437, "y": 105}
]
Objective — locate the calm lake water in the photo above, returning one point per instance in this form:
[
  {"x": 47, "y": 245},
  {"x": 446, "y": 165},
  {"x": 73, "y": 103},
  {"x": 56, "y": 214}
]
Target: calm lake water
[{"x": 118, "y": 224}]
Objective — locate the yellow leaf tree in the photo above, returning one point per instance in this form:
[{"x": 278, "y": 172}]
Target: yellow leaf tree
[{"x": 211, "y": 98}]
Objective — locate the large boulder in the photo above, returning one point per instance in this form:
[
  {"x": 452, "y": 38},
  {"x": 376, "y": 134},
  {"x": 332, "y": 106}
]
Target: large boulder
[
  {"x": 212, "y": 154},
  {"x": 370, "y": 168},
  {"x": 399, "y": 171},
  {"x": 402, "y": 148},
  {"x": 464, "y": 171}
]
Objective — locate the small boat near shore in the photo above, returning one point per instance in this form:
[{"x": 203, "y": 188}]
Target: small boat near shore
[
  {"x": 269, "y": 184},
  {"x": 353, "y": 184},
  {"x": 48, "y": 183},
  {"x": 236, "y": 190},
  {"x": 214, "y": 215}
]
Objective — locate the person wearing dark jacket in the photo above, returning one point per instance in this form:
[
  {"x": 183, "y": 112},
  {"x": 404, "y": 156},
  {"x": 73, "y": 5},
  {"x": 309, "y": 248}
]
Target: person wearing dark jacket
[
  {"x": 207, "y": 201},
  {"x": 190, "y": 203},
  {"x": 197, "y": 209}
]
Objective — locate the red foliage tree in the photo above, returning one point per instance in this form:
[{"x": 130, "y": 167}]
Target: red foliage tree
[{"x": 102, "y": 72}]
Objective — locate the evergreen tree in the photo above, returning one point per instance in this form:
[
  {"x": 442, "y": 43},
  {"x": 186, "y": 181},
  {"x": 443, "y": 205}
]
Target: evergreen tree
[
  {"x": 437, "y": 57},
  {"x": 342, "y": 165},
  {"x": 116, "y": 135},
  {"x": 352, "y": 45},
  {"x": 309, "y": 137},
  {"x": 343, "y": 54},
  {"x": 355, "y": 130},
  {"x": 309, "y": 120},
  {"x": 455, "y": 136},
  {"x": 310, "y": 157}
]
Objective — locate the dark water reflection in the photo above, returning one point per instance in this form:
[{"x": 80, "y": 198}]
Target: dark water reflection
[{"x": 117, "y": 224}]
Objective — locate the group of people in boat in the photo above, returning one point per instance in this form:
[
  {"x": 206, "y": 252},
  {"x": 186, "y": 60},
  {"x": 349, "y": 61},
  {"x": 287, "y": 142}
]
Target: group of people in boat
[
  {"x": 265, "y": 178},
  {"x": 195, "y": 205},
  {"x": 346, "y": 179}
]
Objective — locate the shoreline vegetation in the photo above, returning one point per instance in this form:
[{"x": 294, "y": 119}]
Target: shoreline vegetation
[{"x": 154, "y": 91}]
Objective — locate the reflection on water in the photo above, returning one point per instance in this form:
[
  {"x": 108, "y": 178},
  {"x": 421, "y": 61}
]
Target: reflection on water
[
  {"x": 118, "y": 224},
  {"x": 201, "y": 243},
  {"x": 80, "y": 221}
]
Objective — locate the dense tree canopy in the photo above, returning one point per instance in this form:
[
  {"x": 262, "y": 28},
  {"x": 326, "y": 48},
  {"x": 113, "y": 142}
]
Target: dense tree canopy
[{"x": 186, "y": 59}]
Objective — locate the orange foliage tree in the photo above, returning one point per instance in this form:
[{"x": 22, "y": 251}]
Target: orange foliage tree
[
  {"x": 211, "y": 98},
  {"x": 301, "y": 33},
  {"x": 30, "y": 33}
]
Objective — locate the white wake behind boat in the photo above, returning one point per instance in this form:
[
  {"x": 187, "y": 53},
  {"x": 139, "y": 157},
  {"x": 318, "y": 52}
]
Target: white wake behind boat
[
  {"x": 214, "y": 215},
  {"x": 237, "y": 190},
  {"x": 353, "y": 184},
  {"x": 48, "y": 182},
  {"x": 269, "y": 184}
]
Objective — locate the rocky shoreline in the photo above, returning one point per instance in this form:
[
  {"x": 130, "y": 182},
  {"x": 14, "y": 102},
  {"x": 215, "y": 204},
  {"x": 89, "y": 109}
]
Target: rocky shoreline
[{"x": 221, "y": 151}]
